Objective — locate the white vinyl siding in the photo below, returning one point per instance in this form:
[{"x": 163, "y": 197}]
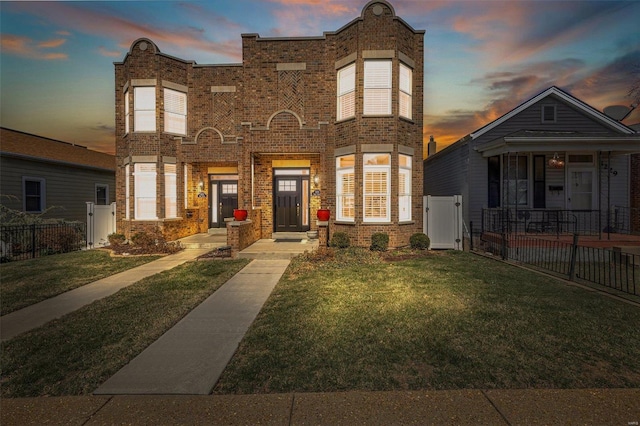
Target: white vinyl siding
[
  {"x": 345, "y": 188},
  {"x": 405, "y": 97},
  {"x": 404, "y": 188},
  {"x": 127, "y": 112},
  {"x": 175, "y": 112},
  {"x": 377, "y": 88},
  {"x": 170, "y": 191},
  {"x": 377, "y": 187},
  {"x": 144, "y": 104},
  {"x": 346, "y": 92},
  {"x": 145, "y": 191}
]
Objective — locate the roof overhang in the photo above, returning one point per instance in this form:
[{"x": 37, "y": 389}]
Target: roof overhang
[{"x": 614, "y": 145}]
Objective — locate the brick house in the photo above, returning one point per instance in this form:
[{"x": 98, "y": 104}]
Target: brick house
[{"x": 303, "y": 123}]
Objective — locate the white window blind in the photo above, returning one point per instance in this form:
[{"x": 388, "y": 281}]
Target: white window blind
[
  {"x": 144, "y": 104},
  {"x": 170, "y": 191},
  {"x": 377, "y": 187},
  {"x": 404, "y": 188},
  {"x": 405, "y": 95},
  {"x": 175, "y": 112},
  {"x": 127, "y": 112},
  {"x": 145, "y": 191},
  {"x": 345, "y": 188},
  {"x": 127, "y": 193},
  {"x": 377, "y": 88},
  {"x": 346, "y": 92}
]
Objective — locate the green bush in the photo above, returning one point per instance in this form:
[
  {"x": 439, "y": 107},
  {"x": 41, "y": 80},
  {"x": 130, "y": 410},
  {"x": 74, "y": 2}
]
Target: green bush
[
  {"x": 340, "y": 240},
  {"x": 379, "y": 241},
  {"x": 419, "y": 241}
]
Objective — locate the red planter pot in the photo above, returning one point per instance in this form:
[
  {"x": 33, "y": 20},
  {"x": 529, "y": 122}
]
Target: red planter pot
[
  {"x": 324, "y": 214},
  {"x": 240, "y": 214}
]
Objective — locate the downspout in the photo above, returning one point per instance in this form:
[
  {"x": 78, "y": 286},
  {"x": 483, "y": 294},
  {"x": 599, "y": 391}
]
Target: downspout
[
  {"x": 253, "y": 206},
  {"x": 608, "y": 195}
]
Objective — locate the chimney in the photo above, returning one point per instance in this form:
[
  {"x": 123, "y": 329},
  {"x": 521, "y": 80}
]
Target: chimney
[{"x": 431, "y": 146}]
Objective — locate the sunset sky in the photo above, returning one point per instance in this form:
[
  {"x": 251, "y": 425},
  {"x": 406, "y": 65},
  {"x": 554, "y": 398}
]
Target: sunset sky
[{"x": 482, "y": 58}]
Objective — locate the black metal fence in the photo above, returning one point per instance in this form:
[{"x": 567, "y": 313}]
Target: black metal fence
[
  {"x": 610, "y": 268},
  {"x": 20, "y": 242},
  {"x": 555, "y": 221}
]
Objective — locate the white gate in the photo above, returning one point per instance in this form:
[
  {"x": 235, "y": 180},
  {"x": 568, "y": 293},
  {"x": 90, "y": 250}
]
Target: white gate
[
  {"x": 443, "y": 221},
  {"x": 101, "y": 221}
]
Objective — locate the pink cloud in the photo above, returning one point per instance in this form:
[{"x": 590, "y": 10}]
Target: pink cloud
[
  {"x": 49, "y": 44},
  {"x": 109, "y": 53},
  {"x": 28, "y": 48}
]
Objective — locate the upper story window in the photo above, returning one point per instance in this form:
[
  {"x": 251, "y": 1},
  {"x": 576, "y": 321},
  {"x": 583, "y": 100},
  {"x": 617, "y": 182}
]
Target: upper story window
[
  {"x": 548, "y": 113},
  {"x": 405, "y": 97},
  {"x": 33, "y": 191},
  {"x": 144, "y": 105},
  {"x": 345, "y": 188},
  {"x": 127, "y": 112},
  {"x": 377, "y": 87},
  {"x": 346, "y": 92},
  {"x": 377, "y": 187},
  {"x": 175, "y": 112}
]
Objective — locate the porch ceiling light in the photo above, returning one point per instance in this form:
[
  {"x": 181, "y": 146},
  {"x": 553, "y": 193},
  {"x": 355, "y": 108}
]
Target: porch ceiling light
[{"x": 555, "y": 162}]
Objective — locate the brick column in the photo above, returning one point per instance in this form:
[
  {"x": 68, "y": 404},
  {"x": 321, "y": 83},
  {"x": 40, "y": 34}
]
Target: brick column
[{"x": 323, "y": 233}]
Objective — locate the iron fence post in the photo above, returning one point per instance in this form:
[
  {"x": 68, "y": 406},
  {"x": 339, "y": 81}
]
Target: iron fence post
[
  {"x": 574, "y": 253},
  {"x": 471, "y": 235},
  {"x": 33, "y": 241},
  {"x": 505, "y": 255}
]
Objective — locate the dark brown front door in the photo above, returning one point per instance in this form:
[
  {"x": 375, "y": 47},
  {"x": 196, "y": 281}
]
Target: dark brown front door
[
  {"x": 288, "y": 204},
  {"x": 224, "y": 198}
]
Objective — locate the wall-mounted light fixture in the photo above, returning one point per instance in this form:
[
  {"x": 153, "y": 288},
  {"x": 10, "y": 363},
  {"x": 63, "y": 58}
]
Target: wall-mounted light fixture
[
  {"x": 316, "y": 179},
  {"x": 555, "y": 162},
  {"x": 201, "y": 185}
]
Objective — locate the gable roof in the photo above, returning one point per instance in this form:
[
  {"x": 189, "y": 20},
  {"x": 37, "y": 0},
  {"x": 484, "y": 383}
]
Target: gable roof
[
  {"x": 26, "y": 145},
  {"x": 575, "y": 102}
]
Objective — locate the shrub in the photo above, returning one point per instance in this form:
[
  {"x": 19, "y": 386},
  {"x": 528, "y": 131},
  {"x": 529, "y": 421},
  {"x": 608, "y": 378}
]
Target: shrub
[
  {"x": 379, "y": 241},
  {"x": 419, "y": 241},
  {"x": 340, "y": 240},
  {"x": 116, "y": 239},
  {"x": 143, "y": 239}
]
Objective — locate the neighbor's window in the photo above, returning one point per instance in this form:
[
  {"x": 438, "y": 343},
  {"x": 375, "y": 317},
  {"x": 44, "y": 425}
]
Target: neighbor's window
[
  {"x": 377, "y": 187},
  {"x": 377, "y": 87},
  {"x": 346, "y": 92},
  {"x": 33, "y": 195},
  {"x": 515, "y": 172},
  {"x": 170, "y": 191},
  {"x": 345, "y": 188},
  {"x": 145, "y": 190},
  {"x": 144, "y": 109},
  {"x": 175, "y": 112},
  {"x": 404, "y": 187},
  {"x": 127, "y": 112},
  {"x": 102, "y": 194},
  {"x": 405, "y": 98}
]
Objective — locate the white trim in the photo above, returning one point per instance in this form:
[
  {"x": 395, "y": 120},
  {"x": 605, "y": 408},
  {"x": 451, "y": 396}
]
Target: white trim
[{"x": 565, "y": 97}]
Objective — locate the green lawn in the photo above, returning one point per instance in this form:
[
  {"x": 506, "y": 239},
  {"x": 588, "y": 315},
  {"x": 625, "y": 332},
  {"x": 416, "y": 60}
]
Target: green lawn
[
  {"x": 448, "y": 320},
  {"x": 26, "y": 282},
  {"x": 78, "y": 352}
]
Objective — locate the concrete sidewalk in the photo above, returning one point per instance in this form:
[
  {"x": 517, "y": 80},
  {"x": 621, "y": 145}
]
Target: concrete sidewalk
[
  {"x": 190, "y": 357},
  {"x": 39, "y": 314},
  {"x": 483, "y": 407}
]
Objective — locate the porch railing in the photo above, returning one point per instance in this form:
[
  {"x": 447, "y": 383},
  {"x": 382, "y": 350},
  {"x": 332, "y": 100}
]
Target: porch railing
[
  {"x": 557, "y": 222},
  {"x": 20, "y": 242},
  {"x": 609, "y": 268}
]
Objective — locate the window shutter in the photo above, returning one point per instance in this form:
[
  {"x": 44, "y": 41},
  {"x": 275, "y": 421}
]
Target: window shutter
[{"x": 377, "y": 88}]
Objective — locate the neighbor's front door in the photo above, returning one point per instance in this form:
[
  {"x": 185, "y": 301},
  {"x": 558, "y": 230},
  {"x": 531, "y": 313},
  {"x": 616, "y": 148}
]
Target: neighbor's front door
[
  {"x": 581, "y": 194},
  {"x": 291, "y": 203}
]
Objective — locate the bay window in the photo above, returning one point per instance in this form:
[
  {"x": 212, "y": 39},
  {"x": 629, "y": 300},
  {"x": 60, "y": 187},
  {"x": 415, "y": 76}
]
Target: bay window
[
  {"x": 405, "y": 97},
  {"x": 170, "y": 191},
  {"x": 346, "y": 92},
  {"x": 127, "y": 191},
  {"x": 175, "y": 112},
  {"x": 127, "y": 112},
  {"x": 377, "y": 187},
  {"x": 345, "y": 188},
  {"x": 145, "y": 191},
  {"x": 377, "y": 87},
  {"x": 404, "y": 188},
  {"x": 144, "y": 109}
]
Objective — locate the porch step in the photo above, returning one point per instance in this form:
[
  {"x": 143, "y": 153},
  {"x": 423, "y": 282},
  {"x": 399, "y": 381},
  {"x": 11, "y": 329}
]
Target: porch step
[
  {"x": 204, "y": 241},
  {"x": 217, "y": 231}
]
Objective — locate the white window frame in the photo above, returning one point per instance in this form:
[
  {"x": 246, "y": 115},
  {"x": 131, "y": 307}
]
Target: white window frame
[
  {"x": 185, "y": 184},
  {"x": 368, "y": 171},
  {"x": 377, "y": 87},
  {"x": 405, "y": 97},
  {"x": 144, "y": 191},
  {"x": 106, "y": 191},
  {"x": 42, "y": 205},
  {"x": 175, "y": 112},
  {"x": 345, "y": 200},
  {"x": 144, "y": 109},
  {"x": 127, "y": 191},
  {"x": 346, "y": 102},
  {"x": 127, "y": 112},
  {"x": 170, "y": 191},
  {"x": 404, "y": 191}
]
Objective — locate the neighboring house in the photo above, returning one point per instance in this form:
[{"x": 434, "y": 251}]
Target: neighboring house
[
  {"x": 552, "y": 164},
  {"x": 41, "y": 175},
  {"x": 301, "y": 123},
  {"x": 635, "y": 188}
]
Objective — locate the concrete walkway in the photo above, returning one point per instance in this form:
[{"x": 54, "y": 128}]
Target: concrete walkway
[
  {"x": 36, "y": 315},
  {"x": 483, "y": 407},
  {"x": 190, "y": 357}
]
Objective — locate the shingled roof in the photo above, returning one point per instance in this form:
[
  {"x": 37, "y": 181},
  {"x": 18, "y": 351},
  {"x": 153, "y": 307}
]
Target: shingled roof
[{"x": 38, "y": 147}]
